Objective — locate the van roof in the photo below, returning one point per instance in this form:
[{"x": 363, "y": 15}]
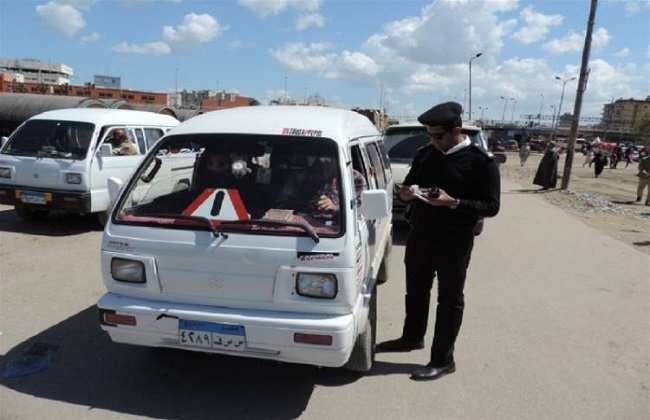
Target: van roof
[
  {"x": 309, "y": 121},
  {"x": 103, "y": 116},
  {"x": 416, "y": 123}
]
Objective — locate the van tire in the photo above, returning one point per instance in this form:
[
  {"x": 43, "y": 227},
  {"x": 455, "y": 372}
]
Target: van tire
[
  {"x": 363, "y": 353},
  {"x": 29, "y": 214}
]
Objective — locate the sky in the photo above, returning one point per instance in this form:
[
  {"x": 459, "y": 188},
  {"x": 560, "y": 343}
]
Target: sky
[{"x": 401, "y": 55}]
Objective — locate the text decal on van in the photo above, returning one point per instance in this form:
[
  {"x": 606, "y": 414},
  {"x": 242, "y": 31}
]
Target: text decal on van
[
  {"x": 317, "y": 256},
  {"x": 301, "y": 132}
]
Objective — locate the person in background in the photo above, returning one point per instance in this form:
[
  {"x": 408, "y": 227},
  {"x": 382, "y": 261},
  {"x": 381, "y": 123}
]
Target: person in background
[
  {"x": 600, "y": 161},
  {"x": 441, "y": 236},
  {"x": 589, "y": 156},
  {"x": 121, "y": 144},
  {"x": 546, "y": 175},
  {"x": 644, "y": 176},
  {"x": 524, "y": 153}
]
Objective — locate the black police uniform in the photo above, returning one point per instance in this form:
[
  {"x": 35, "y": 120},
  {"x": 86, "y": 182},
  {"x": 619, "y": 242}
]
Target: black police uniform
[{"x": 440, "y": 240}]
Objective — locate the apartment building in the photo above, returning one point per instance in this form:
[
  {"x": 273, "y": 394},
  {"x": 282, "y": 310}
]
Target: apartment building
[{"x": 624, "y": 114}]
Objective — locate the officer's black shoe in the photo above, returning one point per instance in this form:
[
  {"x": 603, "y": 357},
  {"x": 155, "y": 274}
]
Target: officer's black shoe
[
  {"x": 399, "y": 345},
  {"x": 429, "y": 373}
]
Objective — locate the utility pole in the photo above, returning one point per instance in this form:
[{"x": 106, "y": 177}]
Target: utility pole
[{"x": 582, "y": 86}]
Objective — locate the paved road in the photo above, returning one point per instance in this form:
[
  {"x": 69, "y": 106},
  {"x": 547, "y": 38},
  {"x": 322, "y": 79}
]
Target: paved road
[{"x": 557, "y": 326}]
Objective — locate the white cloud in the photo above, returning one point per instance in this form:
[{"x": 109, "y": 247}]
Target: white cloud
[
  {"x": 623, "y": 53},
  {"x": 84, "y": 5},
  {"x": 64, "y": 19},
  {"x": 150, "y": 48},
  {"x": 193, "y": 31},
  {"x": 632, "y": 8},
  {"x": 305, "y": 21},
  {"x": 266, "y": 8},
  {"x": 235, "y": 44},
  {"x": 573, "y": 42},
  {"x": 305, "y": 57},
  {"x": 93, "y": 37},
  {"x": 359, "y": 63},
  {"x": 537, "y": 25}
]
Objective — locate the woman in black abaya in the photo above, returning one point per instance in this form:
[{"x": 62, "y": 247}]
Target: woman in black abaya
[{"x": 546, "y": 176}]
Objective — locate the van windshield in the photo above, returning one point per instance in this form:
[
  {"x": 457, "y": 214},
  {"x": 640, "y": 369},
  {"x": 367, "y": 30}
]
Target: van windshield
[
  {"x": 283, "y": 185},
  {"x": 51, "y": 138}
]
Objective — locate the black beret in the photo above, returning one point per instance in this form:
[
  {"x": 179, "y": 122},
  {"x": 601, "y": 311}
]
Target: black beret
[{"x": 443, "y": 114}]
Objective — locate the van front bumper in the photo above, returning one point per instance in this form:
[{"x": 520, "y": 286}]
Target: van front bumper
[
  {"x": 268, "y": 334},
  {"x": 46, "y": 199}
]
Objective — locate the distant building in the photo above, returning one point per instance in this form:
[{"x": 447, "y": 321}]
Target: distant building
[
  {"x": 111, "y": 82},
  {"x": 624, "y": 114},
  {"x": 27, "y": 70},
  {"x": 313, "y": 100}
]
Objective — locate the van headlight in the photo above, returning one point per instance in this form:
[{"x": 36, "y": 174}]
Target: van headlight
[
  {"x": 73, "y": 178},
  {"x": 318, "y": 285},
  {"x": 5, "y": 173},
  {"x": 127, "y": 270}
]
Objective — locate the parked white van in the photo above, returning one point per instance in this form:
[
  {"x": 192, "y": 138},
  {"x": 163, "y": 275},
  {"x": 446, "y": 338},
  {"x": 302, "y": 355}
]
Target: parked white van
[
  {"x": 272, "y": 251},
  {"x": 62, "y": 159}
]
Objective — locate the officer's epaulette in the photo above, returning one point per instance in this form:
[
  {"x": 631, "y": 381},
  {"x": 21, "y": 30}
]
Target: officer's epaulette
[{"x": 482, "y": 151}]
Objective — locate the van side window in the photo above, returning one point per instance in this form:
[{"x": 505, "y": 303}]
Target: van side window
[
  {"x": 139, "y": 137},
  {"x": 121, "y": 143},
  {"x": 358, "y": 164},
  {"x": 152, "y": 135},
  {"x": 377, "y": 165}
]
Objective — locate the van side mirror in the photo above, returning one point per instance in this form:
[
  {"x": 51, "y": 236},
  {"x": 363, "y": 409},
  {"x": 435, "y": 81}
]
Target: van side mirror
[
  {"x": 114, "y": 187},
  {"x": 3, "y": 141},
  {"x": 375, "y": 204},
  {"x": 105, "y": 150}
]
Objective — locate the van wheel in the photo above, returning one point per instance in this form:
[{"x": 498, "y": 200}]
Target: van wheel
[
  {"x": 363, "y": 353},
  {"x": 30, "y": 214}
]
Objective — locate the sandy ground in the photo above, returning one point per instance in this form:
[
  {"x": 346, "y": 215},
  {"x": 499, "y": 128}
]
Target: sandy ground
[{"x": 606, "y": 203}]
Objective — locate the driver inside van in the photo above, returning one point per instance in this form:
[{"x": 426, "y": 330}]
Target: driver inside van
[{"x": 122, "y": 146}]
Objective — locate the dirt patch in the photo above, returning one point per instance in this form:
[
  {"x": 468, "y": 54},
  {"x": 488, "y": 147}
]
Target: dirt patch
[{"x": 606, "y": 203}]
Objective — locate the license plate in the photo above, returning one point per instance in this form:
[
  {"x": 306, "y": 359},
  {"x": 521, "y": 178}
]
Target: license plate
[
  {"x": 32, "y": 197},
  {"x": 212, "y": 335}
]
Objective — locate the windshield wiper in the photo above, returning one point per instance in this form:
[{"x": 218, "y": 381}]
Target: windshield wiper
[
  {"x": 267, "y": 222},
  {"x": 200, "y": 219}
]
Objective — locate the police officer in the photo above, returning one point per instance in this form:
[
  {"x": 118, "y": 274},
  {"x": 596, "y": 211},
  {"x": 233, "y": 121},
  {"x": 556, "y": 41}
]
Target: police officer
[{"x": 451, "y": 185}]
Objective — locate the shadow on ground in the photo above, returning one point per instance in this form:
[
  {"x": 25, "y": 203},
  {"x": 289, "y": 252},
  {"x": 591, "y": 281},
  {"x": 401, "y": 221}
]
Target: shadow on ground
[
  {"x": 55, "y": 224},
  {"x": 84, "y": 367}
]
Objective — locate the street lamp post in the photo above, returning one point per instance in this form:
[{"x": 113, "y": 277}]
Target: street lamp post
[
  {"x": 506, "y": 99},
  {"x": 482, "y": 111},
  {"x": 541, "y": 107},
  {"x": 553, "y": 119},
  {"x": 470, "y": 82},
  {"x": 559, "y": 108},
  {"x": 512, "y": 115}
]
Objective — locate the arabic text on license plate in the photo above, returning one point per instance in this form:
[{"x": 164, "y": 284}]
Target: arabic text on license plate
[
  {"x": 32, "y": 197},
  {"x": 212, "y": 335}
]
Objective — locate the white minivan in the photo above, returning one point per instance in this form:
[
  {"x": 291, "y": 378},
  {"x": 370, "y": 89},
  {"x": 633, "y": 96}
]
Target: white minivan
[
  {"x": 272, "y": 251},
  {"x": 61, "y": 160}
]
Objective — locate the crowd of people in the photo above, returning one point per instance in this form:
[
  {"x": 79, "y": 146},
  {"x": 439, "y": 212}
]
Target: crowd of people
[{"x": 547, "y": 170}]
